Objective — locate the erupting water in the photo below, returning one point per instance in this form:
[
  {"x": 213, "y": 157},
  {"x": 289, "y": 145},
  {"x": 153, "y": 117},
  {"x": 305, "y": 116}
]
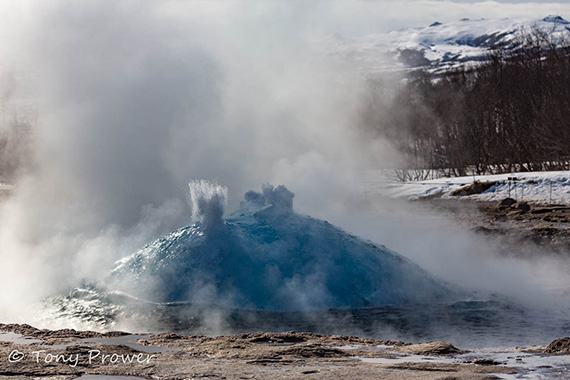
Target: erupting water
[
  {"x": 267, "y": 267},
  {"x": 266, "y": 256}
]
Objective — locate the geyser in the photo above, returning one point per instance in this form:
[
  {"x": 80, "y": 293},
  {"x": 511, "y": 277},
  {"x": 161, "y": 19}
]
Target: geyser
[{"x": 265, "y": 256}]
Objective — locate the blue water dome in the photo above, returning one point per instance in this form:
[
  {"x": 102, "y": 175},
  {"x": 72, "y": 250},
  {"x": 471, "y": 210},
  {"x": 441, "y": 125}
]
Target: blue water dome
[{"x": 267, "y": 257}]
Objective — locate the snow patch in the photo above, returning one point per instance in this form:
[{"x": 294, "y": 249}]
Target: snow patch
[{"x": 538, "y": 187}]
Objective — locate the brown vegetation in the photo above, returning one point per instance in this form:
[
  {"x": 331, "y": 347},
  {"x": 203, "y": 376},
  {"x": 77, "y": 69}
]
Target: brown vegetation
[{"x": 510, "y": 113}]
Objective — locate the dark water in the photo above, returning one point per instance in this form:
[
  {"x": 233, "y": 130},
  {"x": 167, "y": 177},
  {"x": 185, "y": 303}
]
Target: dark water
[{"x": 468, "y": 324}]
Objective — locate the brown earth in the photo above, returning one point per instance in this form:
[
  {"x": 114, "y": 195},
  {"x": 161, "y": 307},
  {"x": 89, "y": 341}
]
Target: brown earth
[
  {"x": 559, "y": 346},
  {"x": 263, "y": 355},
  {"x": 519, "y": 226},
  {"x": 476, "y": 187}
]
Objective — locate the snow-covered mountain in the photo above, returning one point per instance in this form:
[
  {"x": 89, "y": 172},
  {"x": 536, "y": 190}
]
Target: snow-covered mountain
[{"x": 438, "y": 47}]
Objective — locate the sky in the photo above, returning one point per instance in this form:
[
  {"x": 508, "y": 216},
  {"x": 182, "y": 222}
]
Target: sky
[{"x": 379, "y": 16}]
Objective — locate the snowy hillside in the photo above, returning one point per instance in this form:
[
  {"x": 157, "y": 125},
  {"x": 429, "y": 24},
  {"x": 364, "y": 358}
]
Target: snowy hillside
[
  {"x": 440, "y": 46},
  {"x": 539, "y": 187}
]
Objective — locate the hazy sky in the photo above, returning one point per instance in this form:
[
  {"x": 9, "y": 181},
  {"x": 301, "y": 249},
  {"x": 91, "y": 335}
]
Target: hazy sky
[{"x": 376, "y": 16}]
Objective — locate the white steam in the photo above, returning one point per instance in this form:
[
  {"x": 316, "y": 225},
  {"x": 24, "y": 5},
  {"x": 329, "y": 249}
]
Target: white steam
[
  {"x": 208, "y": 201},
  {"x": 136, "y": 98}
]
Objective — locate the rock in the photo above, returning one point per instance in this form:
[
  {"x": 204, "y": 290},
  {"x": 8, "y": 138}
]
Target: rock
[
  {"x": 507, "y": 202},
  {"x": 523, "y": 206},
  {"x": 430, "y": 348},
  {"x": 475, "y": 188},
  {"x": 486, "y": 362},
  {"x": 545, "y": 231},
  {"x": 33, "y": 332},
  {"x": 273, "y": 338},
  {"x": 285, "y": 355},
  {"x": 559, "y": 346},
  {"x": 482, "y": 230},
  {"x": 313, "y": 351},
  {"x": 550, "y": 209}
]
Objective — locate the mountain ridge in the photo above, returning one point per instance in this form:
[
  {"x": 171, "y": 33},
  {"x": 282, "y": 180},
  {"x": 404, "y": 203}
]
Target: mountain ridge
[{"x": 439, "y": 47}]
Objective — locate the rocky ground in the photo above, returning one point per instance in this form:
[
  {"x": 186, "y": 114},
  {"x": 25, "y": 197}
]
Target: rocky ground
[
  {"x": 67, "y": 354},
  {"x": 519, "y": 225}
]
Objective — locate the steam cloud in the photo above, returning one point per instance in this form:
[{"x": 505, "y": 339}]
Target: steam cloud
[{"x": 136, "y": 98}]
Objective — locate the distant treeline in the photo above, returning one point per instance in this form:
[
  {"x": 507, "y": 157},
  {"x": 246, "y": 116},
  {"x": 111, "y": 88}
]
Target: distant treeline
[{"x": 510, "y": 113}]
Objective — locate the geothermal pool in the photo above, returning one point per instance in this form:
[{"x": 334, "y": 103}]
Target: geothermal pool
[{"x": 266, "y": 267}]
